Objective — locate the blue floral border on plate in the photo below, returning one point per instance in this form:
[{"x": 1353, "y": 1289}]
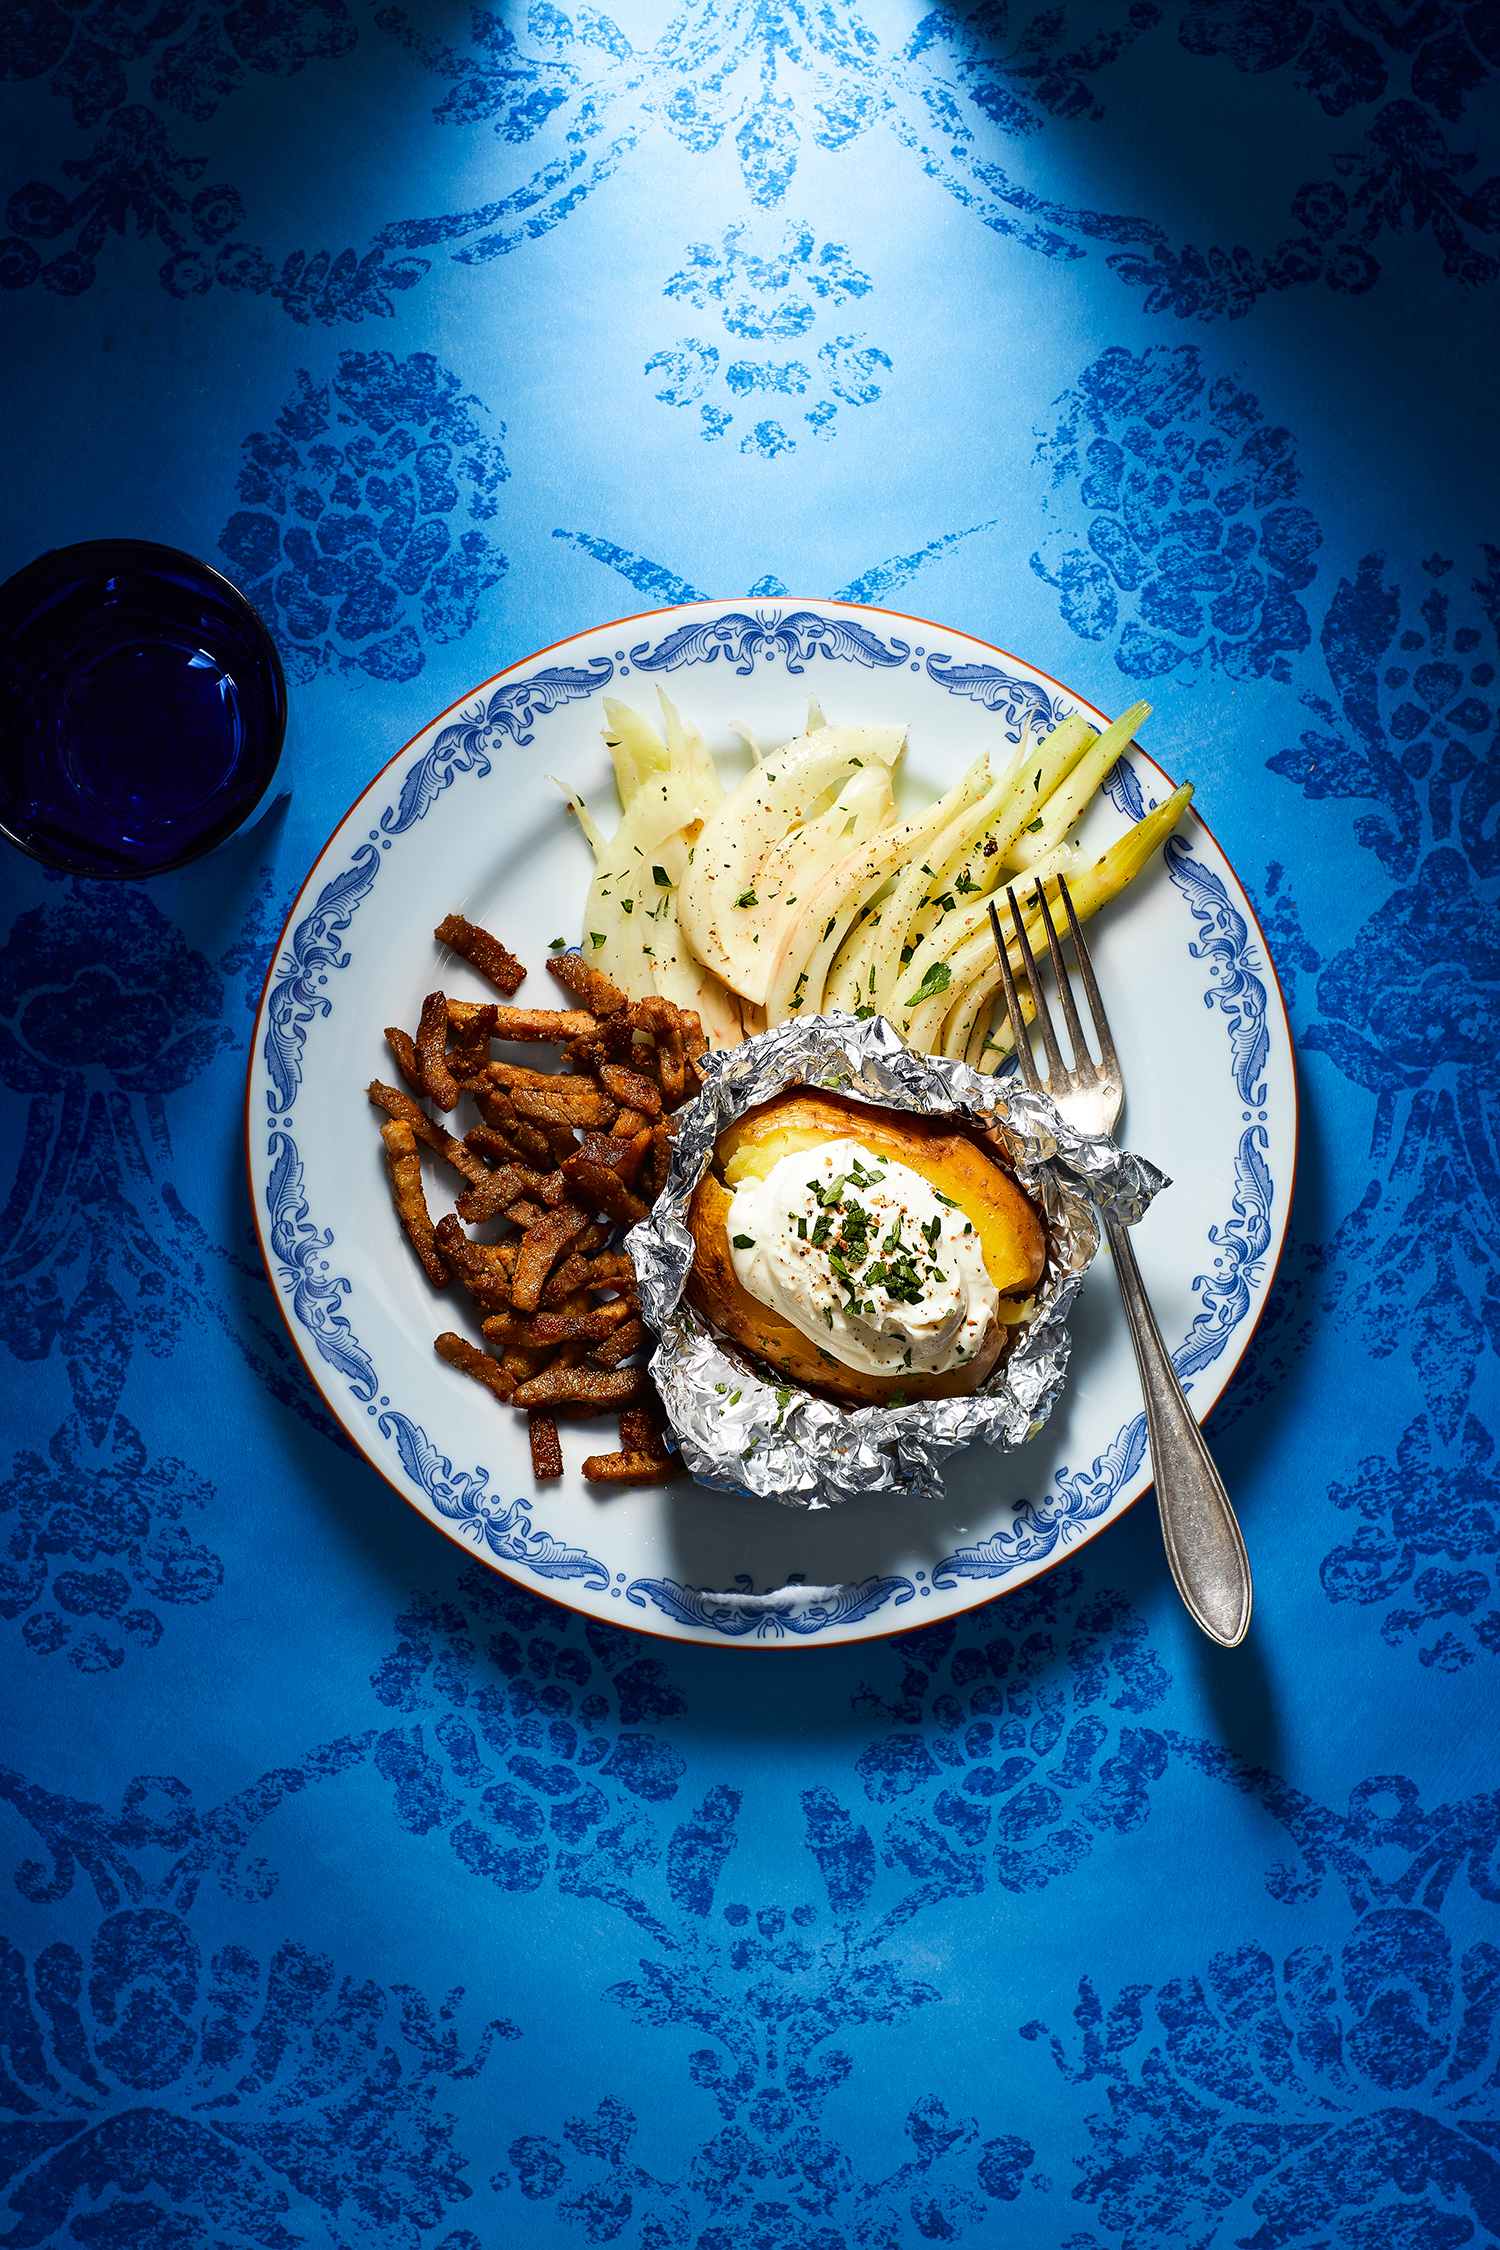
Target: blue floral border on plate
[{"x": 462, "y": 1498}]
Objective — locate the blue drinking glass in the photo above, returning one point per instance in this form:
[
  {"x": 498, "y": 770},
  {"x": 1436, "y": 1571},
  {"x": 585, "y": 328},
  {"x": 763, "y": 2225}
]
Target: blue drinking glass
[{"x": 142, "y": 708}]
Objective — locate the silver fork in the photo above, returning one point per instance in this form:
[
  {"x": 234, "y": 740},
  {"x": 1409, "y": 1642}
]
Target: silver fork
[{"x": 1204, "y": 1546}]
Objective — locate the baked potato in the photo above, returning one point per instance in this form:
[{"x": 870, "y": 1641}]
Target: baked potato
[{"x": 1011, "y": 1234}]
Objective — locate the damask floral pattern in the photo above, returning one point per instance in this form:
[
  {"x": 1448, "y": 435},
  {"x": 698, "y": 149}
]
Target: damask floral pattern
[
  {"x": 105, "y": 1014},
  {"x": 1353, "y": 2087},
  {"x": 135, "y": 173},
  {"x": 150, "y": 2083},
  {"x": 1197, "y": 547},
  {"x": 372, "y": 529}
]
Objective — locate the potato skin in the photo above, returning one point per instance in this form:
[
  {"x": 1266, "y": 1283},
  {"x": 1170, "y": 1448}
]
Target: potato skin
[{"x": 1010, "y": 1230}]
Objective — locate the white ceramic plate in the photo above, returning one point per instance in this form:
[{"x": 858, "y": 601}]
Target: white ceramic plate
[{"x": 465, "y": 819}]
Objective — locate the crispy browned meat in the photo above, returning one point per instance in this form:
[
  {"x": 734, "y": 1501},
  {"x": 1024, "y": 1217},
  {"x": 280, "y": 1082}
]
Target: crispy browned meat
[
  {"x": 633, "y": 1468},
  {"x": 628, "y": 1338},
  {"x": 661, "y": 1157},
  {"x": 602, "y": 1190},
  {"x": 641, "y": 1428},
  {"x": 496, "y": 1193},
  {"x": 643, "y": 1457},
  {"x": 396, "y": 1104},
  {"x": 432, "y": 1041},
  {"x": 405, "y": 1167},
  {"x": 546, "y": 1447},
  {"x": 481, "y": 1267},
  {"x": 526, "y": 1026},
  {"x": 526, "y": 1144},
  {"x": 403, "y": 1048},
  {"x": 583, "y": 1270},
  {"x": 483, "y": 952},
  {"x": 565, "y": 1101},
  {"x": 471, "y": 1049},
  {"x": 664, "y": 1022},
  {"x": 623, "y": 1153},
  {"x": 507, "y": 1075},
  {"x": 631, "y": 1088},
  {"x": 599, "y": 994},
  {"x": 545, "y": 1240},
  {"x": 590, "y": 1325},
  {"x": 594, "y": 1389},
  {"x": 470, "y": 1360}
]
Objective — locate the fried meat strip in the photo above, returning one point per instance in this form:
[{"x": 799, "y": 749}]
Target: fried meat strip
[
  {"x": 583, "y": 1270},
  {"x": 541, "y": 1247},
  {"x": 405, "y": 1167},
  {"x": 627, "y": 1338},
  {"x": 624, "y": 1153},
  {"x": 661, "y": 1157},
  {"x": 534, "y": 1330},
  {"x": 471, "y": 1047},
  {"x": 483, "y": 1268},
  {"x": 432, "y": 1060},
  {"x": 527, "y": 1027},
  {"x": 403, "y": 1047},
  {"x": 396, "y": 1104},
  {"x": 599, "y": 994},
  {"x": 497, "y": 1192},
  {"x": 546, "y": 1447},
  {"x": 482, "y": 952},
  {"x": 603, "y": 1190},
  {"x": 509, "y": 1075},
  {"x": 630, "y": 1088},
  {"x": 593, "y": 1389},
  {"x": 643, "y": 1458},
  {"x": 664, "y": 1022},
  {"x": 522, "y": 1142},
  {"x": 564, "y": 1101},
  {"x": 470, "y": 1360}
]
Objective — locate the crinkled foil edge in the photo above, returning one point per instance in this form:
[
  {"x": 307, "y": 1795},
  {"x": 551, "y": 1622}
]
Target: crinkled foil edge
[{"x": 741, "y": 1432}]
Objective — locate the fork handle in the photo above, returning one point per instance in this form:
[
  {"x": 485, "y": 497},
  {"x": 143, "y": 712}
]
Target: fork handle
[{"x": 1203, "y": 1542}]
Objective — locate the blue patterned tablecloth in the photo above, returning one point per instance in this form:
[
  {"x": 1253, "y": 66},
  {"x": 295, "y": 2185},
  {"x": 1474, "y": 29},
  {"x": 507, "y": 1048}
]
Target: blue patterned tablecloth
[{"x": 354, "y": 1895}]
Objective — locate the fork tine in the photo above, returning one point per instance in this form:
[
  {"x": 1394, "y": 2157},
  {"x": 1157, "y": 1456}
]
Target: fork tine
[
  {"x": 1018, "y": 1030},
  {"x": 1083, "y": 1061},
  {"x": 1055, "y": 1065},
  {"x": 1107, "y": 1058}
]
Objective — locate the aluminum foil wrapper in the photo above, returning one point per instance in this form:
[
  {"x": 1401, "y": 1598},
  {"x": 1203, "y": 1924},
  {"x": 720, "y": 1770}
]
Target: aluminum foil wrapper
[{"x": 741, "y": 1432}]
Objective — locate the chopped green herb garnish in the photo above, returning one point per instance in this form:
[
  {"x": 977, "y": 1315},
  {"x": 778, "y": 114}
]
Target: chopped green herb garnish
[
  {"x": 627, "y": 906},
  {"x": 597, "y": 937},
  {"x": 898, "y": 1398},
  {"x": 660, "y": 876},
  {"x": 747, "y": 898},
  {"x": 557, "y": 945},
  {"x": 951, "y": 1201},
  {"x": 937, "y": 979},
  {"x": 1033, "y": 825},
  {"x": 744, "y": 1242}
]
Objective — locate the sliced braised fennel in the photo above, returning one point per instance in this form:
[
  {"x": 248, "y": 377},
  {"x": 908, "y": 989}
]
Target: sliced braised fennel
[{"x": 802, "y": 891}]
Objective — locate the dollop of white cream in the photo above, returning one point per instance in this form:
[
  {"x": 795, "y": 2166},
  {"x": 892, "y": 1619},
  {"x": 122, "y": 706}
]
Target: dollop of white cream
[{"x": 863, "y": 1257}]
